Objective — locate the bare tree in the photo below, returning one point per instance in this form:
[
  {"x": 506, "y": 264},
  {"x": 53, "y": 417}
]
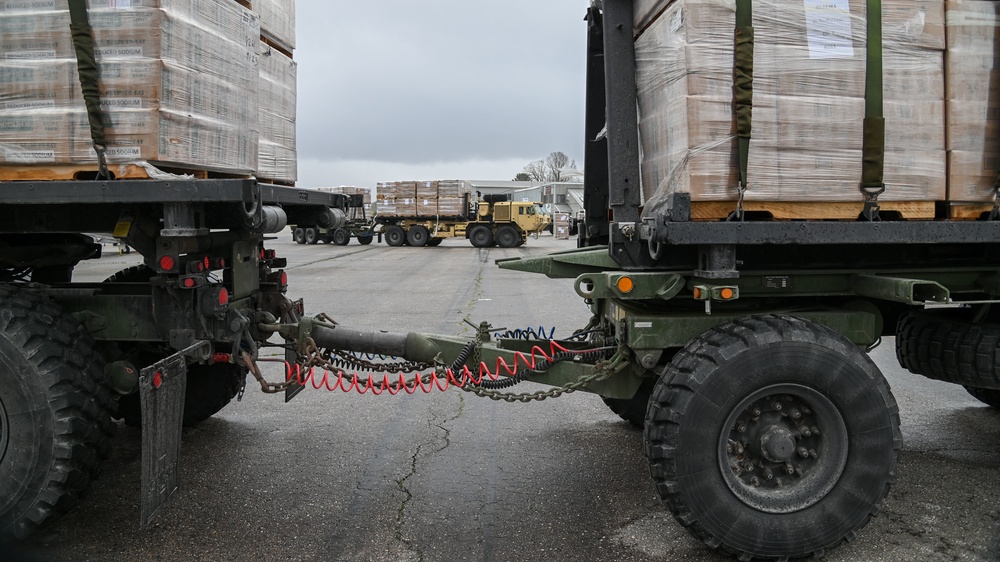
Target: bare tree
[
  {"x": 555, "y": 163},
  {"x": 536, "y": 170}
]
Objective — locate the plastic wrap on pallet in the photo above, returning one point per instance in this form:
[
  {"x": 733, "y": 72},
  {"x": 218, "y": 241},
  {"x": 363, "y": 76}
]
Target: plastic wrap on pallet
[
  {"x": 277, "y": 21},
  {"x": 808, "y": 100},
  {"x": 431, "y": 199},
  {"x": 277, "y": 157},
  {"x": 973, "y": 99},
  {"x": 177, "y": 81}
]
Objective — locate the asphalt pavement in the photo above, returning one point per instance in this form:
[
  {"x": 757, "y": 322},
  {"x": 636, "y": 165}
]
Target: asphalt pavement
[{"x": 451, "y": 476}]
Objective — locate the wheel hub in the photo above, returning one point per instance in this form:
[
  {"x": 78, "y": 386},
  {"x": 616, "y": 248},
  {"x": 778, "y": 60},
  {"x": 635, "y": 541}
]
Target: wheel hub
[
  {"x": 783, "y": 448},
  {"x": 778, "y": 444}
]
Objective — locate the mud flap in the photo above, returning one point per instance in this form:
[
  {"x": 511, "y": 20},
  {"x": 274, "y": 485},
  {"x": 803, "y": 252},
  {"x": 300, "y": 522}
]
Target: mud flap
[
  {"x": 161, "y": 393},
  {"x": 292, "y": 316}
]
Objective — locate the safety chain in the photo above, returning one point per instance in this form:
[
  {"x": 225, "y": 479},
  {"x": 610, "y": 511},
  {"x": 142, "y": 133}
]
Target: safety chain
[
  {"x": 316, "y": 358},
  {"x": 600, "y": 373},
  {"x": 356, "y": 362}
]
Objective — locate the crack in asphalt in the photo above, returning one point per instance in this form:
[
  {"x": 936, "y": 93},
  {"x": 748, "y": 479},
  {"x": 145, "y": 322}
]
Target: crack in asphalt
[
  {"x": 444, "y": 434},
  {"x": 445, "y": 441}
]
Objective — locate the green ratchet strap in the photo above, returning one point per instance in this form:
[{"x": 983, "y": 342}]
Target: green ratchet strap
[
  {"x": 743, "y": 91},
  {"x": 873, "y": 149},
  {"x": 86, "y": 61}
]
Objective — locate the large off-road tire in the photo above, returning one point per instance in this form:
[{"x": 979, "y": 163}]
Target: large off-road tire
[
  {"x": 508, "y": 236},
  {"x": 55, "y": 422},
  {"x": 311, "y": 236},
  {"x": 299, "y": 235},
  {"x": 210, "y": 388},
  {"x": 417, "y": 236},
  {"x": 759, "y": 397},
  {"x": 395, "y": 235},
  {"x": 948, "y": 346},
  {"x": 435, "y": 242},
  {"x": 365, "y": 240},
  {"x": 988, "y": 396},
  {"x": 481, "y": 237},
  {"x": 341, "y": 237},
  {"x": 633, "y": 410}
]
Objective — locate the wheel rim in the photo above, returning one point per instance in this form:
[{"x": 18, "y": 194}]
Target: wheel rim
[{"x": 783, "y": 448}]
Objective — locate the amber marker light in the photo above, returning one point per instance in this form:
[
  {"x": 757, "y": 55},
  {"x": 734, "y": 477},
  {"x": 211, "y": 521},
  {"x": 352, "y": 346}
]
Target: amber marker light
[
  {"x": 625, "y": 284},
  {"x": 727, "y": 293}
]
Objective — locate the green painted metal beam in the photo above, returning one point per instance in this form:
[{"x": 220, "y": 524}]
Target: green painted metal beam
[{"x": 563, "y": 265}]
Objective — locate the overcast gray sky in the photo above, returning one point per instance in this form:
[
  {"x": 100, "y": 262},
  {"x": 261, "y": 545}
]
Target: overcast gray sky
[{"x": 462, "y": 89}]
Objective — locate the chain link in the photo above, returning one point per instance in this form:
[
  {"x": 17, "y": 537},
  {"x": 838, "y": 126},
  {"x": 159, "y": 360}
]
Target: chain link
[{"x": 316, "y": 358}]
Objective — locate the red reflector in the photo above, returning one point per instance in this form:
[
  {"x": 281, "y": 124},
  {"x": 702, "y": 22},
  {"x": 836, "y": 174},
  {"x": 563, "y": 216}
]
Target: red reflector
[
  {"x": 188, "y": 283},
  {"x": 167, "y": 263},
  {"x": 223, "y": 296},
  {"x": 220, "y": 358},
  {"x": 284, "y": 279},
  {"x": 157, "y": 379},
  {"x": 207, "y": 263},
  {"x": 222, "y": 263}
]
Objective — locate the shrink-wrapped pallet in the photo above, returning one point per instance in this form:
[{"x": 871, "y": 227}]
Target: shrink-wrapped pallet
[
  {"x": 808, "y": 100},
  {"x": 178, "y": 83},
  {"x": 277, "y": 21},
  {"x": 277, "y": 156},
  {"x": 973, "y": 95},
  {"x": 423, "y": 199}
]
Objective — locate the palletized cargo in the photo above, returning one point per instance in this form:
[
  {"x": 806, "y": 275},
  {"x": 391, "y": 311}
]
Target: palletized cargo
[{"x": 177, "y": 82}]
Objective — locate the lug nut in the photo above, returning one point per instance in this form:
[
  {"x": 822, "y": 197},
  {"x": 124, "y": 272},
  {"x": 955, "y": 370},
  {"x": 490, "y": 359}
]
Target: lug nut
[
  {"x": 796, "y": 415},
  {"x": 812, "y": 453},
  {"x": 754, "y": 482},
  {"x": 806, "y": 432},
  {"x": 803, "y": 452},
  {"x": 741, "y": 427},
  {"x": 768, "y": 474},
  {"x": 815, "y": 430},
  {"x": 789, "y": 469},
  {"x": 755, "y": 412}
]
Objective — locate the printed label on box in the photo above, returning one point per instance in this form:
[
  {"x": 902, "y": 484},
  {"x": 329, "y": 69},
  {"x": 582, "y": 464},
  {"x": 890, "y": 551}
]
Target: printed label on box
[
  {"x": 29, "y": 5},
  {"x": 126, "y": 152},
  {"x": 828, "y": 27}
]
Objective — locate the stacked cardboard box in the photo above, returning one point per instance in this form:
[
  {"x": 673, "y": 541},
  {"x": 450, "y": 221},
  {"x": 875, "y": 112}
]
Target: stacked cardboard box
[
  {"x": 277, "y": 156},
  {"x": 560, "y": 226},
  {"x": 808, "y": 100},
  {"x": 277, "y": 22},
  {"x": 438, "y": 198},
  {"x": 973, "y": 94},
  {"x": 178, "y": 83}
]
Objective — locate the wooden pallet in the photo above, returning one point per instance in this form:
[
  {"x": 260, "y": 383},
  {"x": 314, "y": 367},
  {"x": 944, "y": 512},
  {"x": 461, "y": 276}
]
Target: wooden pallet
[
  {"x": 967, "y": 211},
  {"x": 800, "y": 210},
  {"x": 276, "y": 45},
  {"x": 89, "y": 171}
]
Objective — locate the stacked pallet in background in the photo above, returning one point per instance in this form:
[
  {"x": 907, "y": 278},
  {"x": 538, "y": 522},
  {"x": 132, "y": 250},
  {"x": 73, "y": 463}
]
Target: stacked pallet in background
[
  {"x": 560, "y": 226},
  {"x": 278, "y": 152},
  {"x": 808, "y": 104},
  {"x": 178, "y": 84},
  {"x": 438, "y": 198},
  {"x": 364, "y": 192}
]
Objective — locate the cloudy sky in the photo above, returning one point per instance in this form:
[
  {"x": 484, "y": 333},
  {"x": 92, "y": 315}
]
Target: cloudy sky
[{"x": 406, "y": 90}]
